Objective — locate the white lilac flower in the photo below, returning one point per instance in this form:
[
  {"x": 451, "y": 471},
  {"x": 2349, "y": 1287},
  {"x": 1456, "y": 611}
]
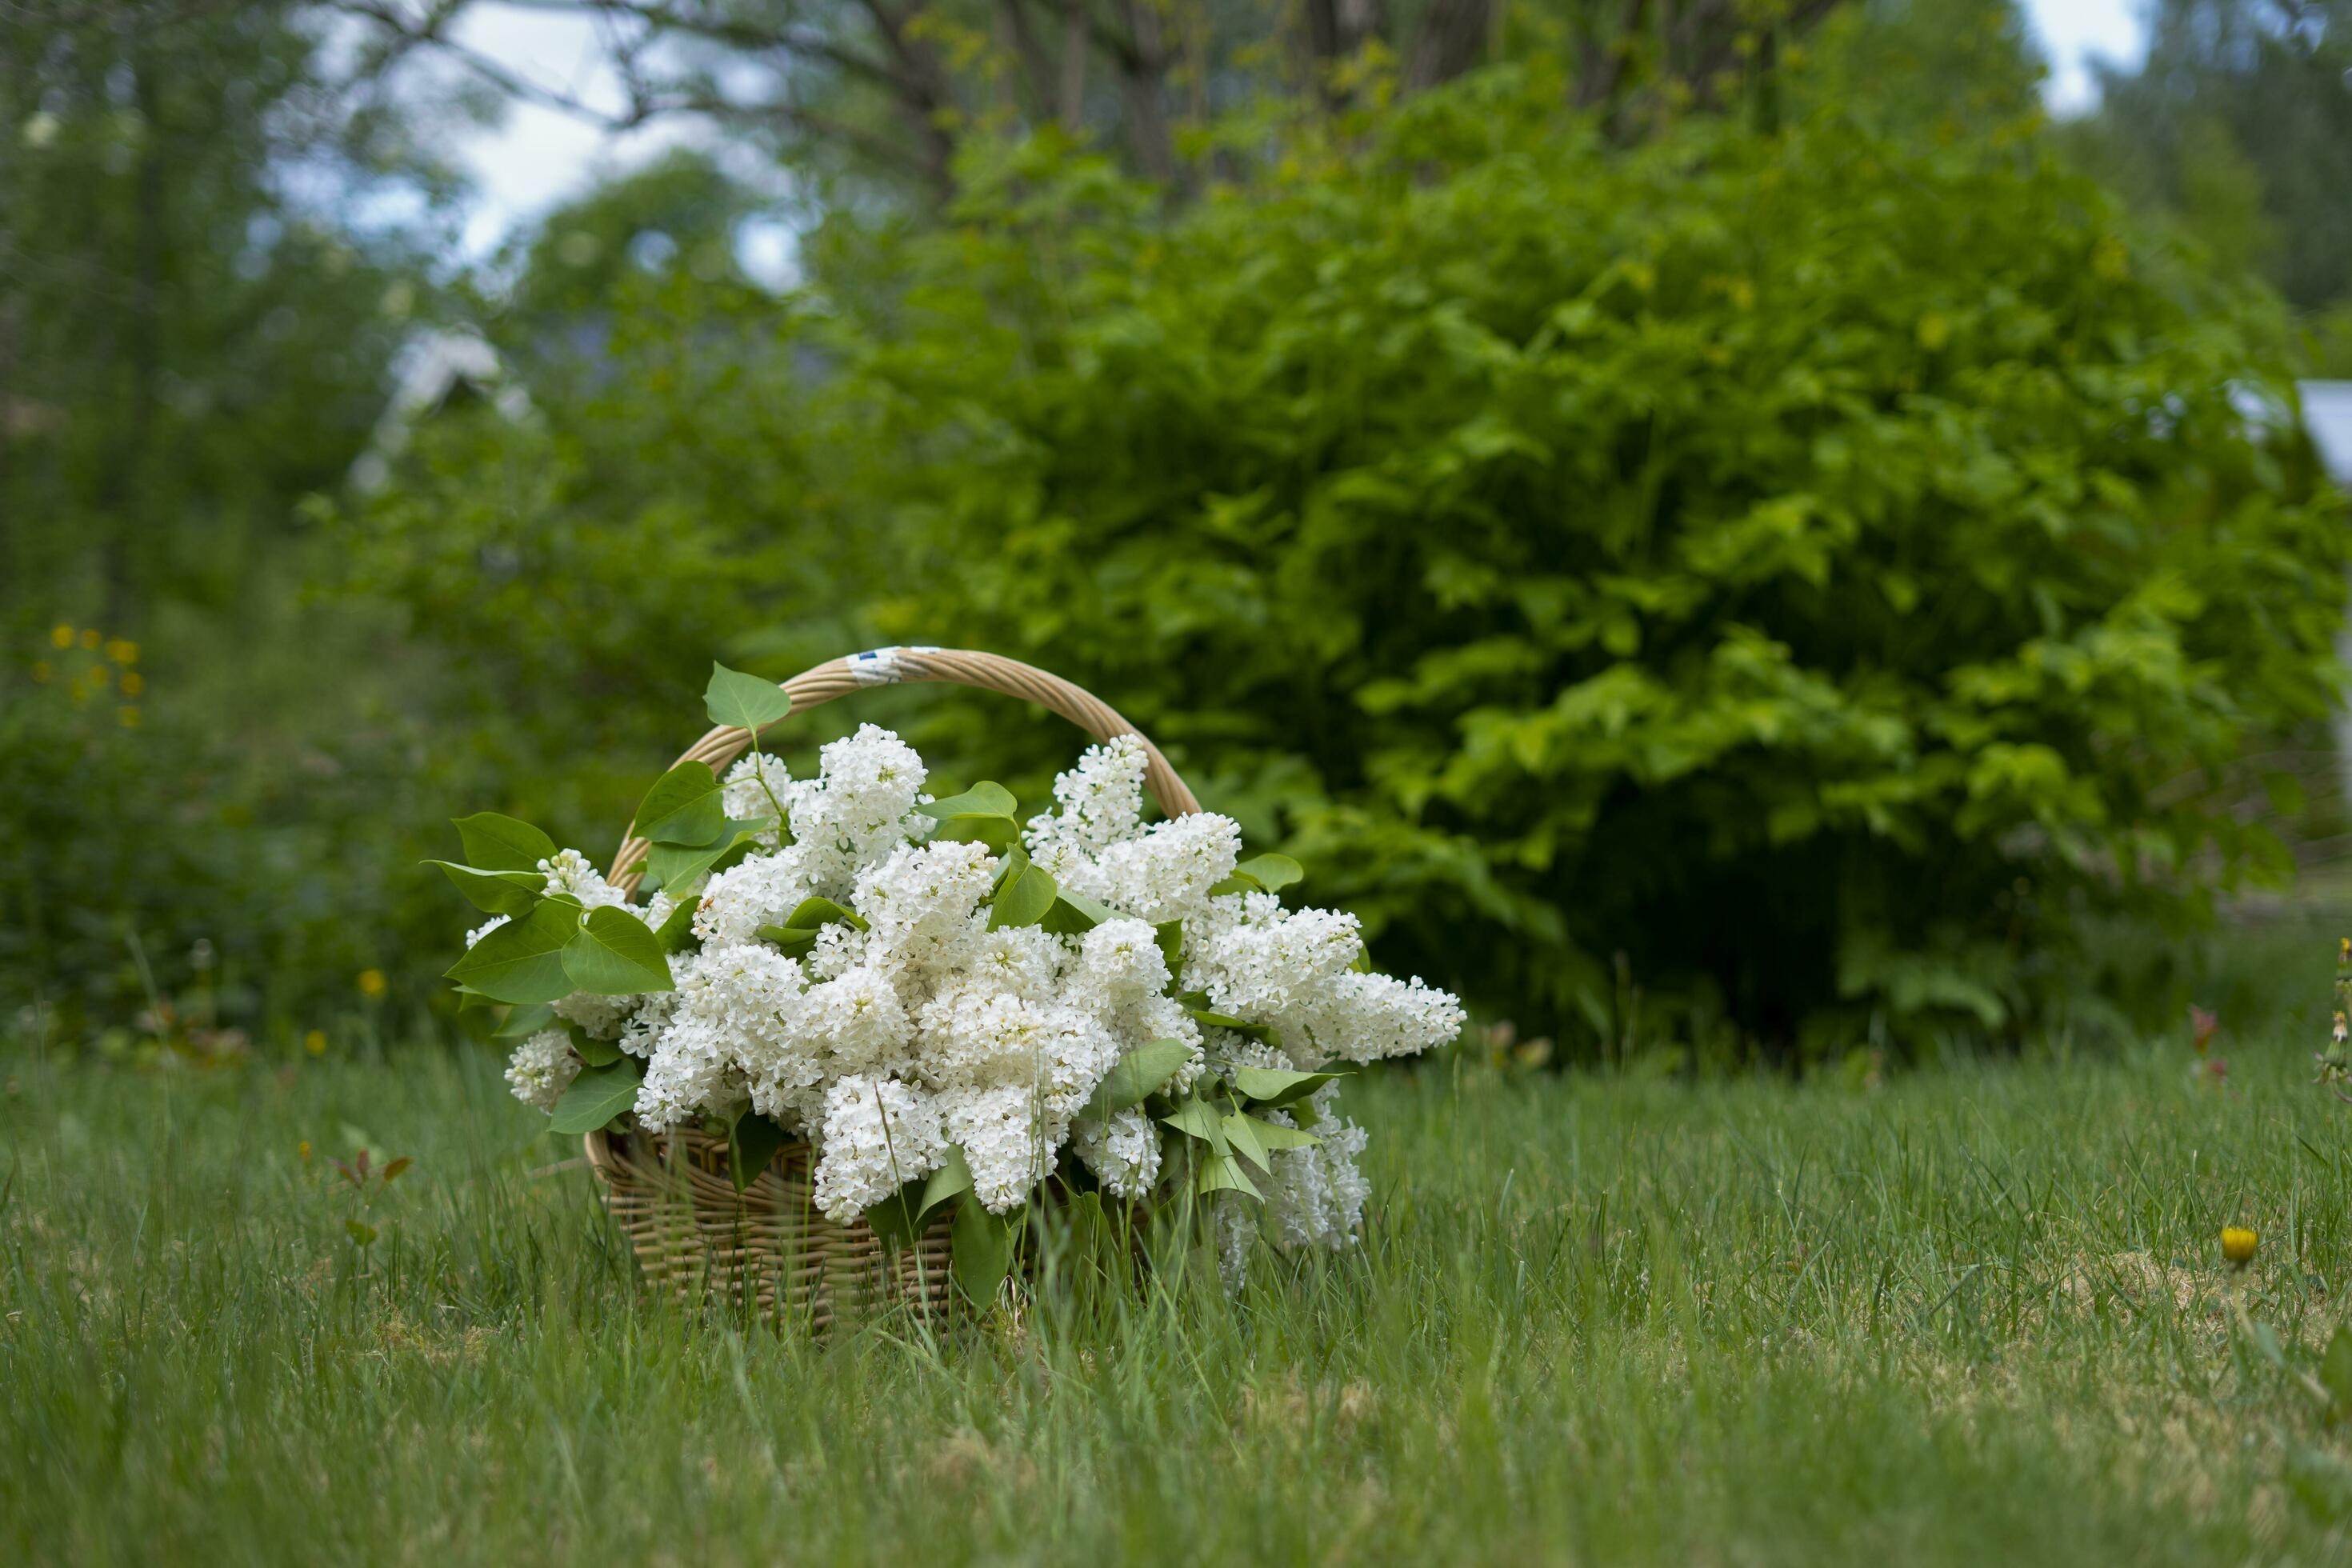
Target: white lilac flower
[
  {"x": 857, "y": 1022},
  {"x": 1315, "y": 1196},
  {"x": 878, "y": 1134},
  {"x": 1119, "y": 964},
  {"x": 601, "y": 1016},
  {"x": 542, "y": 1067},
  {"x": 1101, "y": 802},
  {"x": 486, "y": 928},
  {"x": 918, "y": 904},
  {"x": 756, "y": 789},
  {"x": 1024, "y": 962},
  {"x": 1123, "y": 1152},
  {"x": 1004, "y": 1140},
  {"x": 887, "y": 1042},
  {"x": 568, "y": 871}
]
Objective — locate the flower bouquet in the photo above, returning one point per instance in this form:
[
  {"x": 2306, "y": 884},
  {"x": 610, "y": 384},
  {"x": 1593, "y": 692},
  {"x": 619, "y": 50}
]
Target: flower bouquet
[{"x": 854, "y": 1033}]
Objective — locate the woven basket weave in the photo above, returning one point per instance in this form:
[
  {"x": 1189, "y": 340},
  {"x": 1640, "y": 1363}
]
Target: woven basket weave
[{"x": 769, "y": 1247}]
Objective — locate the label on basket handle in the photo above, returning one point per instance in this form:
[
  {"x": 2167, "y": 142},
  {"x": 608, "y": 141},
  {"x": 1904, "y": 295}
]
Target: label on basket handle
[{"x": 880, "y": 667}]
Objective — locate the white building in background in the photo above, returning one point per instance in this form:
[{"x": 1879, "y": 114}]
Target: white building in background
[
  {"x": 2327, "y": 411},
  {"x": 2328, "y": 408},
  {"x": 432, "y": 370}
]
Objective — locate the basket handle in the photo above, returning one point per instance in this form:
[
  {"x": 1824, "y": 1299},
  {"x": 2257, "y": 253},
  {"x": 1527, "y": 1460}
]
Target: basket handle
[{"x": 956, "y": 667}]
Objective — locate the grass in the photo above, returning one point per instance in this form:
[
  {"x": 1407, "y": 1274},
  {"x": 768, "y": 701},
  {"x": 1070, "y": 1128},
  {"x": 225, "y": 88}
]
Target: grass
[{"x": 1973, "y": 1314}]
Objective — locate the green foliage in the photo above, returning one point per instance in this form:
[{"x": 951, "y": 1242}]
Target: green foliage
[
  {"x": 1821, "y": 569},
  {"x": 1973, "y": 1316}
]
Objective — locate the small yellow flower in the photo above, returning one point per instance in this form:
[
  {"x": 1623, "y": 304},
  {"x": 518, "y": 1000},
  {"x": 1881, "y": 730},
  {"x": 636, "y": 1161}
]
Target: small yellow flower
[
  {"x": 2238, "y": 1244},
  {"x": 133, "y": 683},
  {"x": 372, "y": 983},
  {"x": 1934, "y": 332},
  {"x": 61, "y": 635},
  {"x": 315, "y": 1042},
  {"x": 128, "y": 717},
  {"x": 90, "y": 637},
  {"x": 41, "y": 671},
  {"x": 123, "y": 651},
  {"x": 304, "y": 1151}
]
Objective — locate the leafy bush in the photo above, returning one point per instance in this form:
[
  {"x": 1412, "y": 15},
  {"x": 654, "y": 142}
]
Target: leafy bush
[
  {"x": 1802, "y": 576},
  {"x": 1745, "y": 587},
  {"x": 155, "y": 872}
]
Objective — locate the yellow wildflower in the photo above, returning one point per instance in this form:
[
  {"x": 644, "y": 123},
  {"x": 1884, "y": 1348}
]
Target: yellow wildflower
[
  {"x": 2238, "y": 1244},
  {"x": 128, "y": 717},
  {"x": 121, "y": 650},
  {"x": 133, "y": 683},
  {"x": 372, "y": 985},
  {"x": 315, "y": 1042},
  {"x": 90, "y": 637},
  {"x": 61, "y": 635}
]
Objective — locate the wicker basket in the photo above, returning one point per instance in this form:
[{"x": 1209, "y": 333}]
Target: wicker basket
[{"x": 769, "y": 1247}]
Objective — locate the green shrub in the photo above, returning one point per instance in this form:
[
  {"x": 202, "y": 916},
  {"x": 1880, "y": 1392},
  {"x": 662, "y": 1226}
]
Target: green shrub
[
  {"x": 1747, "y": 588},
  {"x": 168, "y": 879},
  {"x": 1800, "y": 577}
]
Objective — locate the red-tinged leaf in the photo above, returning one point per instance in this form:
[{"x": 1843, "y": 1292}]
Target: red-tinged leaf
[{"x": 392, "y": 1171}]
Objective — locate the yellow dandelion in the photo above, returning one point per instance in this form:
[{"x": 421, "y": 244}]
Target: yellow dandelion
[
  {"x": 2238, "y": 1244},
  {"x": 372, "y": 983},
  {"x": 123, "y": 651},
  {"x": 315, "y": 1042},
  {"x": 128, "y": 716},
  {"x": 90, "y": 637},
  {"x": 133, "y": 683},
  {"x": 61, "y": 635}
]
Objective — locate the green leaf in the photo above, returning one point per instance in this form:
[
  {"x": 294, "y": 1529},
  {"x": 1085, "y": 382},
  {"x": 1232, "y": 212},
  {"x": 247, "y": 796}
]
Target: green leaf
[
  {"x": 983, "y": 1248},
  {"x": 524, "y": 1021},
  {"x": 982, "y": 814},
  {"x": 613, "y": 955},
  {"x": 522, "y": 961},
  {"x": 684, "y": 807},
  {"x": 1024, "y": 900},
  {"x": 1074, "y": 914},
  {"x": 746, "y": 701},
  {"x": 597, "y": 1095},
  {"x": 1136, "y": 1074},
  {"x": 495, "y": 842},
  {"x": 1221, "y": 1172},
  {"x": 952, "y": 1178},
  {"x": 676, "y": 932},
  {"x": 593, "y": 1052},
  {"x": 894, "y": 1219},
  {"x": 1271, "y": 1086},
  {"x": 751, "y": 1143},
  {"x": 675, "y": 866},
  {"x": 814, "y": 913},
  {"x": 1272, "y": 1135},
  {"x": 1198, "y": 1119},
  {"x": 1271, "y": 872},
  {"x": 497, "y": 892},
  {"x": 1241, "y": 1137},
  {"x": 986, "y": 798},
  {"x": 1210, "y": 1018},
  {"x": 792, "y": 941},
  {"x": 1170, "y": 934}
]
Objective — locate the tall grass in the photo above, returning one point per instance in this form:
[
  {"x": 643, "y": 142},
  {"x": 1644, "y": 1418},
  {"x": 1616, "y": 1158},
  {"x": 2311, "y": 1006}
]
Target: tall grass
[{"x": 1975, "y": 1313}]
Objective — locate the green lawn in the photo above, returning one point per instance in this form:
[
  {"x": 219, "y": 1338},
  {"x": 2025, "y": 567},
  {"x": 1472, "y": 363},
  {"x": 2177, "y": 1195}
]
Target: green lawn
[{"x": 1974, "y": 1315}]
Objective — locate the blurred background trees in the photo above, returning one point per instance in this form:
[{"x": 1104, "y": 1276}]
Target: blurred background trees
[{"x": 1712, "y": 523}]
